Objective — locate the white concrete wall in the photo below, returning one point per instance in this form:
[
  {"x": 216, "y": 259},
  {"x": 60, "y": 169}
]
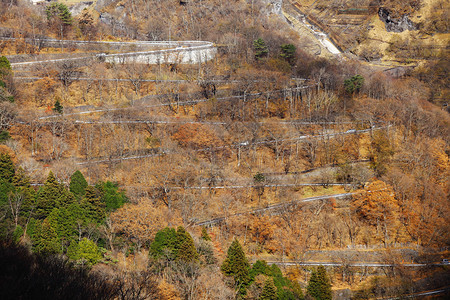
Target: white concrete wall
[
  {"x": 182, "y": 52},
  {"x": 181, "y": 55}
]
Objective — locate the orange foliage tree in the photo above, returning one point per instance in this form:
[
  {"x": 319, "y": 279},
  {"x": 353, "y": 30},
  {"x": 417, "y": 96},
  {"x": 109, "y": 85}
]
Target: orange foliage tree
[
  {"x": 376, "y": 205},
  {"x": 140, "y": 222}
]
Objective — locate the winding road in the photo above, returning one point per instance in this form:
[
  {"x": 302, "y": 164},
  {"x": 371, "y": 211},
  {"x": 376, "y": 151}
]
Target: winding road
[{"x": 218, "y": 220}]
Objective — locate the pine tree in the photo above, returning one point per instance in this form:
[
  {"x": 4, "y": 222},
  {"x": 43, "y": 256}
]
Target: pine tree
[
  {"x": 319, "y": 286},
  {"x": 236, "y": 265},
  {"x": 78, "y": 184},
  {"x": 59, "y": 11},
  {"x": 260, "y": 48},
  {"x": 353, "y": 84},
  {"x": 269, "y": 291},
  {"x": 48, "y": 196},
  {"x": 288, "y": 53}
]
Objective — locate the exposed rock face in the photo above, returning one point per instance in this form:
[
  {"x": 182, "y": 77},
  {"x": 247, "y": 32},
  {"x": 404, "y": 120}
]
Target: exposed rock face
[
  {"x": 273, "y": 6},
  {"x": 395, "y": 24},
  {"x": 110, "y": 20},
  {"x": 77, "y": 8},
  {"x": 276, "y": 4}
]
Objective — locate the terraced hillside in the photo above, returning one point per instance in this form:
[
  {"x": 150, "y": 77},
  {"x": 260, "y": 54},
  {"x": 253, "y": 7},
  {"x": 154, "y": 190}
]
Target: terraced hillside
[{"x": 389, "y": 30}]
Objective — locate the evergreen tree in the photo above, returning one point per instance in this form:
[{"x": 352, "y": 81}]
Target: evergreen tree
[
  {"x": 33, "y": 228},
  {"x": 174, "y": 245},
  {"x": 73, "y": 250},
  {"x": 5, "y": 80},
  {"x": 205, "y": 236},
  {"x": 319, "y": 286},
  {"x": 236, "y": 265},
  {"x": 59, "y": 11},
  {"x": 111, "y": 195},
  {"x": 93, "y": 206},
  {"x": 88, "y": 250},
  {"x": 5, "y": 66},
  {"x": 285, "y": 288},
  {"x": 46, "y": 240},
  {"x": 186, "y": 249},
  {"x": 64, "y": 223},
  {"x": 7, "y": 169},
  {"x": 58, "y": 107},
  {"x": 288, "y": 53},
  {"x": 260, "y": 48},
  {"x": 165, "y": 244},
  {"x": 353, "y": 84},
  {"x": 18, "y": 233},
  {"x": 259, "y": 267},
  {"x": 78, "y": 184},
  {"x": 4, "y": 135},
  {"x": 21, "y": 179},
  {"x": 6, "y": 189},
  {"x": 76, "y": 213},
  {"x": 269, "y": 291},
  {"x": 51, "y": 195}
]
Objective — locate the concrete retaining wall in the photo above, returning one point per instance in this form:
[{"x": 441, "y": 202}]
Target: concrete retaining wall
[{"x": 183, "y": 52}]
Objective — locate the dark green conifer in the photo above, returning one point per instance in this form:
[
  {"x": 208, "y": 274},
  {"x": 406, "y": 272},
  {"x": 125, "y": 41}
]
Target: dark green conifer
[
  {"x": 288, "y": 53},
  {"x": 58, "y": 107},
  {"x": 7, "y": 169},
  {"x": 260, "y": 48},
  {"x": 236, "y": 265},
  {"x": 47, "y": 241},
  {"x": 21, "y": 179},
  {"x": 259, "y": 267},
  {"x": 94, "y": 207},
  {"x": 111, "y": 195},
  {"x": 165, "y": 244},
  {"x": 78, "y": 184},
  {"x": 319, "y": 286},
  {"x": 51, "y": 195},
  {"x": 205, "y": 234},
  {"x": 269, "y": 291},
  {"x": 18, "y": 233},
  {"x": 59, "y": 11},
  {"x": 353, "y": 84},
  {"x": 5, "y": 66},
  {"x": 4, "y": 135},
  {"x": 64, "y": 223},
  {"x": 6, "y": 189},
  {"x": 186, "y": 249}
]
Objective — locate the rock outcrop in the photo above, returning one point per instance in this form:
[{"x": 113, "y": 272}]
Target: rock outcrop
[{"x": 395, "y": 24}]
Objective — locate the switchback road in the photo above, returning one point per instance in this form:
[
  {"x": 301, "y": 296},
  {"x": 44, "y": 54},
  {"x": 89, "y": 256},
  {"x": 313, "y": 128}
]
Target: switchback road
[{"x": 272, "y": 207}]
